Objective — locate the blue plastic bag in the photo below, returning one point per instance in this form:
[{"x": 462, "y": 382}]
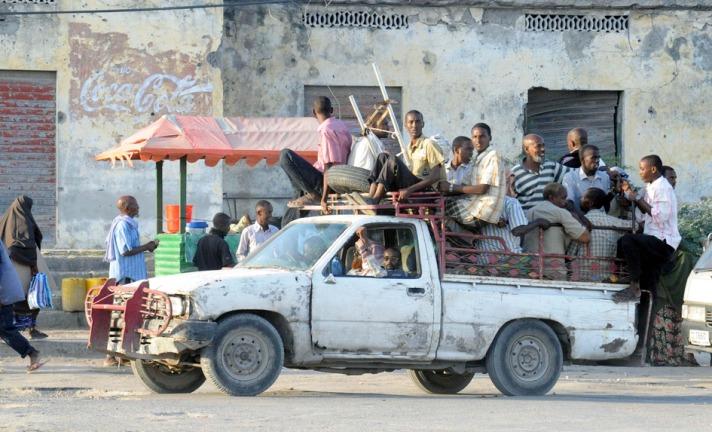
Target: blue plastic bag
[{"x": 39, "y": 296}]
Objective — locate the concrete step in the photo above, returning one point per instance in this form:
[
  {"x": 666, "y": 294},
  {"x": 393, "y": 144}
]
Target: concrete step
[
  {"x": 59, "y": 344},
  {"x": 58, "y": 319}
]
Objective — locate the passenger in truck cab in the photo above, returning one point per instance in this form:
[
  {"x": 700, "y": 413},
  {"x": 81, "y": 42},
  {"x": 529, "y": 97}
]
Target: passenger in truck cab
[
  {"x": 556, "y": 238},
  {"x": 392, "y": 264},
  {"x": 486, "y": 187}
]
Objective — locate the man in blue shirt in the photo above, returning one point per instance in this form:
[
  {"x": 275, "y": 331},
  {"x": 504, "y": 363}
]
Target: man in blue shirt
[
  {"x": 11, "y": 292},
  {"x": 124, "y": 252}
]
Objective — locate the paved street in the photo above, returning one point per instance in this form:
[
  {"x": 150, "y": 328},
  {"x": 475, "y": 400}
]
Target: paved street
[{"x": 76, "y": 394}]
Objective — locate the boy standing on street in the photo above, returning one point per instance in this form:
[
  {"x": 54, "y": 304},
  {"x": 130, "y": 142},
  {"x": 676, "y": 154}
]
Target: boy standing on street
[
  {"x": 213, "y": 253},
  {"x": 256, "y": 234}
]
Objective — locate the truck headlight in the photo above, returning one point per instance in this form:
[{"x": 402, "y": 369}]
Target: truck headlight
[
  {"x": 693, "y": 313},
  {"x": 179, "y": 305}
]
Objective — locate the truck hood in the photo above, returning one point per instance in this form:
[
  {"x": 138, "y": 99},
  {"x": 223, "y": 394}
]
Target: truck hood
[
  {"x": 699, "y": 287},
  {"x": 235, "y": 280}
]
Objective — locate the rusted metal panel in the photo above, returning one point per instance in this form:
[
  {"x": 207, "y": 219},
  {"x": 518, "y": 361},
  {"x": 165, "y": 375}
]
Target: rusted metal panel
[{"x": 27, "y": 144}]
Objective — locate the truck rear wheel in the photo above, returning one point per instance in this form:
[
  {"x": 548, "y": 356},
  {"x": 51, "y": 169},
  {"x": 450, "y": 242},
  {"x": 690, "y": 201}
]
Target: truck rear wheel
[
  {"x": 440, "y": 381},
  {"x": 245, "y": 357},
  {"x": 525, "y": 359},
  {"x": 161, "y": 379}
]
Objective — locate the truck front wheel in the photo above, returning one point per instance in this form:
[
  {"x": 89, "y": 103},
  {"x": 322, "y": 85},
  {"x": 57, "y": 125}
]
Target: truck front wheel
[
  {"x": 245, "y": 356},
  {"x": 439, "y": 381},
  {"x": 162, "y": 379},
  {"x": 525, "y": 359}
]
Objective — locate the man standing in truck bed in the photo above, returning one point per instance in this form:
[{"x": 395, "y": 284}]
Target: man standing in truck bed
[{"x": 646, "y": 253}]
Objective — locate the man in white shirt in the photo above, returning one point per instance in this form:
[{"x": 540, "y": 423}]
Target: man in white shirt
[
  {"x": 458, "y": 168},
  {"x": 256, "y": 234},
  {"x": 646, "y": 253}
]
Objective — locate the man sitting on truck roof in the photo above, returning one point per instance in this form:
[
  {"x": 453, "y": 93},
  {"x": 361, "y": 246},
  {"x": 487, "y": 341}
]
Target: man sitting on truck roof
[
  {"x": 392, "y": 174},
  {"x": 534, "y": 172},
  {"x": 556, "y": 239},
  {"x": 458, "y": 168},
  {"x": 334, "y": 149},
  {"x": 486, "y": 187},
  {"x": 646, "y": 253}
]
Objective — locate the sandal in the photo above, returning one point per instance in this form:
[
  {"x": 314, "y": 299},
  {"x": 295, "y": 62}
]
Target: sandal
[
  {"x": 304, "y": 200},
  {"x": 36, "y": 365}
]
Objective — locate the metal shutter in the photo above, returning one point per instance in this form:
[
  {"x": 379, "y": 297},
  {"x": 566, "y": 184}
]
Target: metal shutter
[
  {"x": 27, "y": 145},
  {"x": 552, "y": 114},
  {"x": 366, "y": 98}
]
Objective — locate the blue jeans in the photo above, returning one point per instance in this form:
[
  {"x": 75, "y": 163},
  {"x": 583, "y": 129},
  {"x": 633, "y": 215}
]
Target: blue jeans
[{"x": 10, "y": 334}]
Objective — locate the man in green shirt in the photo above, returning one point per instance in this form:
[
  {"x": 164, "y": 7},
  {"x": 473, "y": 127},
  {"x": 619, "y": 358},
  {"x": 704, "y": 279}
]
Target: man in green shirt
[{"x": 424, "y": 165}]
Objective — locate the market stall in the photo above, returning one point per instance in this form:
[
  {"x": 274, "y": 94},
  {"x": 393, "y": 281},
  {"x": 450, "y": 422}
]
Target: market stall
[{"x": 188, "y": 139}]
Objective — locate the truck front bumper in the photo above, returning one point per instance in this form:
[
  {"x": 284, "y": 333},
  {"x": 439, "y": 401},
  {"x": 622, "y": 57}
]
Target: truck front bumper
[
  {"x": 188, "y": 335},
  {"x": 694, "y": 334}
]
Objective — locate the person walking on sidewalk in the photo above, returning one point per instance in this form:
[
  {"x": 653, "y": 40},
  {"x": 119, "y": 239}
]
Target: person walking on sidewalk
[
  {"x": 23, "y": 239},
  {"x": 11, "y": 292}
]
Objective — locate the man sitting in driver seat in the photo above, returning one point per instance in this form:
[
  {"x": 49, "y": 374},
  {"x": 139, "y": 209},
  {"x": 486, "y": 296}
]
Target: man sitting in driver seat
[{"x": 392, "y": 264}]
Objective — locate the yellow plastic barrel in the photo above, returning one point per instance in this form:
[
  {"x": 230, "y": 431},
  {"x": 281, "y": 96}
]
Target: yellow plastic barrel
[
  {"x": 73, "y": 293},
  {"x": 90, "y": 283}
]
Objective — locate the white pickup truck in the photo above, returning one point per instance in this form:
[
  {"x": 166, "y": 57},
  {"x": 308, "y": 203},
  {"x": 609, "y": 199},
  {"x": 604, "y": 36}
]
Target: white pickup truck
[
  {"x": 293, "y": 304},
  {"x": 697, "y": 307}
]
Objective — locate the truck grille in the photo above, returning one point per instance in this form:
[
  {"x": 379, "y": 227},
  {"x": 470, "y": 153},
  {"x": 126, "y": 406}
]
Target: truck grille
[{"x": 708, "y": 316}]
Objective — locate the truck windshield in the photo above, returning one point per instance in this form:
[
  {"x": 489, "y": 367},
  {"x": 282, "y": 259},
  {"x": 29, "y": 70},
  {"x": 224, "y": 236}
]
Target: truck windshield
[
  {"x": 705, "y": 261},
  {"x": 297, "y": 247}
]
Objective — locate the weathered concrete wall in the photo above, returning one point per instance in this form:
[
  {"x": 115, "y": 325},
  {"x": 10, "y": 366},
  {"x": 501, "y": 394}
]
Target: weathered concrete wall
[
  {"x": 460, "y": 65},
  {"x": 117, "y": 73}
]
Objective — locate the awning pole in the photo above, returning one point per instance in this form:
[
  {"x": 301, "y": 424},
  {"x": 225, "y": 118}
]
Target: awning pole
[
  {"x": 159, "y": 197},
  {"x": 183, "y": 193}
]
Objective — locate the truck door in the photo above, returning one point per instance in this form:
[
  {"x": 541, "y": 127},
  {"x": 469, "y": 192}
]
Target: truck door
[{"x": 362, "y": 312}]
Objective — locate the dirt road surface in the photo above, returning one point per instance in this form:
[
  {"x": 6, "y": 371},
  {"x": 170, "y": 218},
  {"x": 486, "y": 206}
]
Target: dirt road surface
[{"x": 79, "y": 395}]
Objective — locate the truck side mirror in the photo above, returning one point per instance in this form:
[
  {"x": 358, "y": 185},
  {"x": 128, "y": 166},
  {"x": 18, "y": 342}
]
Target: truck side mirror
[{"x": 706, "y": 243}]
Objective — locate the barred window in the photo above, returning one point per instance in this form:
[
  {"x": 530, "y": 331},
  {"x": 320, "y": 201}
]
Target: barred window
[
  {"x": 581, "y": 23},
  {"x": 355, "y": 19}
]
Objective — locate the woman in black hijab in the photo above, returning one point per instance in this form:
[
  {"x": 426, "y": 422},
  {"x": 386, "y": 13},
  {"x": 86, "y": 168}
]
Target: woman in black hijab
[{"x": 23, "y": 239}]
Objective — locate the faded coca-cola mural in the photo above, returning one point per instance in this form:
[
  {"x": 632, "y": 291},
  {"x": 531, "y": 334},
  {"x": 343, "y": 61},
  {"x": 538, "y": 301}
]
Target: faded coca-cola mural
[{"x": 110, "y": 77}]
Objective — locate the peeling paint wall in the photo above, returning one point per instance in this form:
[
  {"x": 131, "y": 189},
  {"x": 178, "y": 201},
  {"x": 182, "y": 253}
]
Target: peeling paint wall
[
  {"x": 115, "y": 74},
  {"x": 461, "y": 65}
]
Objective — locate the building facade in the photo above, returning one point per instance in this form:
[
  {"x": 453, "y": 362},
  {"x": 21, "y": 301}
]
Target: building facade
[
  {"x": 73, "y": 85},
  {"x": 638, "y": 75}
]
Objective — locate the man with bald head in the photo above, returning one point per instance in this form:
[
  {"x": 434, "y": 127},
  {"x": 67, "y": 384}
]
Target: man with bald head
[
  {"x": 535, "y": 172},
  {"x": 124, "y": 252},
  {"x": 575, "y": 140}
]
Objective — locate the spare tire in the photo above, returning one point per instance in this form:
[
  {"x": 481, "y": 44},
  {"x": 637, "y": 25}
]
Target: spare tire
[{"x": 347, "y": 178}]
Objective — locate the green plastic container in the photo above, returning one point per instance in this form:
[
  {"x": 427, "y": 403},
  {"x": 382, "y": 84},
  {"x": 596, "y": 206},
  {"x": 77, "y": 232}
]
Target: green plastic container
[{"x": 171, "y": 257}]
